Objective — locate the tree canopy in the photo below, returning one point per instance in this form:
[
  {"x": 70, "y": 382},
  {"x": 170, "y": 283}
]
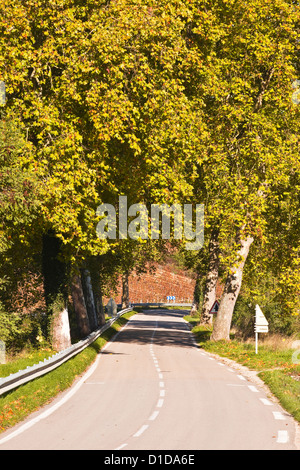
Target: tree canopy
[{"x": 186, "y": 101}]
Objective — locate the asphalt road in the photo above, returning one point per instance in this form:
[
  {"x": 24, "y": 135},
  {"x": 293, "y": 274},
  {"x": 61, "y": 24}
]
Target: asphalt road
[{"x": 152, "y": 389}]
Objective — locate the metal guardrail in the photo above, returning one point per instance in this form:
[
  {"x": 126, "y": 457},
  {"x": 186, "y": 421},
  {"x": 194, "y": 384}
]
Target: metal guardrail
[{"x": 32, "y": 372}]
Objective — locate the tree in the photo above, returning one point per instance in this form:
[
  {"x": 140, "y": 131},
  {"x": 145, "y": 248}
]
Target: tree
[
  {"x": 171, "y": 102},
  {"x": 103, "y": 107},
  {"x": 246, "y": 64},
  {"x": 209, "y": 295}
]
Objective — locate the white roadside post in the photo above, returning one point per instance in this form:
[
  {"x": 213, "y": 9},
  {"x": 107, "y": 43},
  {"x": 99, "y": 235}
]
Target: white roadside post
[
  {"x": 261, "y": 325},
  {"x": 2, "y": 352}
]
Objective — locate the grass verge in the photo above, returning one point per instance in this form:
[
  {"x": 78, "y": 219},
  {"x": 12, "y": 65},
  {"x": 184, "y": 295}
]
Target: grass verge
[
  {"x": 27, "y": 359},
  {"x": 17, "y": 404},
  {"x": 275, "y": 366}
]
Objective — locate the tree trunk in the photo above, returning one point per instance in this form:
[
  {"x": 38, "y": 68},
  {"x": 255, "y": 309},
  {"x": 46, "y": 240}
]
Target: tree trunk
[
  {"x": 55, "y": 287},
  {"x": 60, "y": 334},
  {"x": 94, "y": 264},
  {"x": 125, "y": 290},
  {"x": 196, "y": 299},
  {"x": 99, "y": 307},
  {"x": 230, "y": 294},
  {"x": 80, "y": 306},
  {"x": 96, "y": 283},
  {"x": 89, "y": 298},
  {"x": 209, "y": 295}
]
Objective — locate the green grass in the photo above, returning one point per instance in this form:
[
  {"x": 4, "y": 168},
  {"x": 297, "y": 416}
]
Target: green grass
[
  {"x": 285, "y": 388},
  {"x": 19, "y": 403},
  {"x": 274, "y": 365},
  {"x": 27, "y": 359}
]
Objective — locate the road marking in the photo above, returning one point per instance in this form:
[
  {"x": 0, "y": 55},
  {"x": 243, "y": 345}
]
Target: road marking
[
  {"x": 230, "y": 370},
  {"x": 154, "y": 415},
  {"x": 68, "y": 395},
  {"x": 141, "y": 430},
  {"x": 278, "y": 415},
  {"x": 283, "y": 437},
  {"x": 61, "y": 402},
  {"x": 241, "y": 377},
  {"x": 252, "y": 388},
  {"x": 160, "y": 403},
  {"x": 220, "y": 364},
  {"x": 265, "y": 401},
  {"x": 162, "y": 393},
  {"x": 121, "y": 446}
]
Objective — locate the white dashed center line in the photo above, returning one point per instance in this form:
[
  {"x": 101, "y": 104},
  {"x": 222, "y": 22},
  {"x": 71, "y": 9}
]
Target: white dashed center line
[
  {"x": 141, "y": 430},
  {"x": 283, "y": 437}
]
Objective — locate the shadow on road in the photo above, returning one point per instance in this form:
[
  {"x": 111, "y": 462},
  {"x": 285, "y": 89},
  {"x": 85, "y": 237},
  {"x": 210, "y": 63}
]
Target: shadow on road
[{"x": 168, "y": 331}]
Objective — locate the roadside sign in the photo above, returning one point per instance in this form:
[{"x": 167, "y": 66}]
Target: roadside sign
[
  {"x": 261, "y": 324},
  {"x": 260, "y": 319},
  {"x": 215, "y": 307},
  {"x": 261, "y": 328},
  {"x": 170, "y": 297}
]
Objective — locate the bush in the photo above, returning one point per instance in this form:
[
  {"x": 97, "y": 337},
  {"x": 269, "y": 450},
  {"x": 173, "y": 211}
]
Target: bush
[
  {"x": 279, "y": 322},
  {"x": 22, "y": 331},
  {"x": 8, "y": 326}
]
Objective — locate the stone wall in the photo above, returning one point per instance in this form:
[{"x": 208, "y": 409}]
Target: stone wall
[{"x": 155, "y": 287}]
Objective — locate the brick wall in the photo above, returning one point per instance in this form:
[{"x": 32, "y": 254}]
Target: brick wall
[{"x": 155, "y": 287}]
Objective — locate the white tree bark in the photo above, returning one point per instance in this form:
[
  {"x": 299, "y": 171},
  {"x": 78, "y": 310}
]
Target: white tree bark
[
  {"x": 222, "y": 324},
  {"x": 61, "y": 338}
]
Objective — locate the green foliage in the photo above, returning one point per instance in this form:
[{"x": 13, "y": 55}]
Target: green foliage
[
  {"x": 22, "y": 331},
  {"x": 8, "y": 326},
  {"x": 279, "y": 322},
  {"x": 180, "y": 101},
  {"x": 104, "y": 106},
  {"x": 19, "y": 200}
]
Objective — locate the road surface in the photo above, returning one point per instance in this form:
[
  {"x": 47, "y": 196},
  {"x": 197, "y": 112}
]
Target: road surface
[{"x": 151, "y": 388}]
